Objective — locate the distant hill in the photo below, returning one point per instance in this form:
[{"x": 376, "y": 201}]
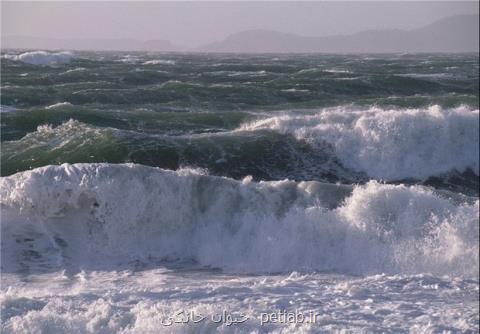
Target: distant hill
[{"x": 451, "y": 34}]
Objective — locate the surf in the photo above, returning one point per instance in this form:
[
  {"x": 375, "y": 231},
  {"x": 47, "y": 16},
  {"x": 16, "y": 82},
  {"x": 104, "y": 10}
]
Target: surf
[
  {"x": 388, "y": 144},
  {"x": 86, "y": 216}
]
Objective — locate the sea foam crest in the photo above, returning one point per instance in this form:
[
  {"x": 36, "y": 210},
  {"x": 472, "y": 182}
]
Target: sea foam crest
[
  {"x": 391, "y": 144},
  {"x": 159, "y": 62},
  {"x": 78, "y": 216},
  {"x": 58, "y": 105},
  {"x": 42, "y": 57}
]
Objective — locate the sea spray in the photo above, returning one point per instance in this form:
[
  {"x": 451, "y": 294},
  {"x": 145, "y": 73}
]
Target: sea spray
[
  {"x": 76, "y": 211},
  {"x": 389, "y": 144}
]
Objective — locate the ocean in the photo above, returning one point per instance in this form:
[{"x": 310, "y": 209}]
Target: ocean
[{"x": 231, "y": 193}]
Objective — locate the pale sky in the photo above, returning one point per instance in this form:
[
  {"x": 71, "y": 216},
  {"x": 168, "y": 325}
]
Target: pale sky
[{"x": 196, "y": 23}]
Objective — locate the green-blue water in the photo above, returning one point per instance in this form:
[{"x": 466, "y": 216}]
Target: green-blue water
[
  {"x": 376, "y": 229},
  {"x": 174, "y": 110}
]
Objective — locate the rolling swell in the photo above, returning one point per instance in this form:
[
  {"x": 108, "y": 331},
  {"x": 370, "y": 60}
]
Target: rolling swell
[
  {"x": 357, "y": 120},
  {"x": 242, "y": 83},
  {"x": 437, "y": 146},
  {"x": 150, "y": 119},
  {"x": 390, "y": 144},
  {"x": 81, "y": 216},
  {"x": 263, "y": 154}
]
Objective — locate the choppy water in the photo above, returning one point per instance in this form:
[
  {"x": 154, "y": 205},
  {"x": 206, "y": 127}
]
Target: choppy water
[{"x": 344, "y": 185}]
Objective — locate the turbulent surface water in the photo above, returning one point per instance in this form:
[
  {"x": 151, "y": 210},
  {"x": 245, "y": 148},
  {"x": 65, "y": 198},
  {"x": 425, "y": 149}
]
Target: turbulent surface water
[{"x": 138, "y": 185}]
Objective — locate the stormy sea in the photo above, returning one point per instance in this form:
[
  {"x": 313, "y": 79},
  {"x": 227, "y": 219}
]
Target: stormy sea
[{"x": 230, "y": 193}]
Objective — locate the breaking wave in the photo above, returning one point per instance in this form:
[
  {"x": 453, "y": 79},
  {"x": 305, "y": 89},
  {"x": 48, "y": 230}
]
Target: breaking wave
[
  {"x": 387, "y": 144},
  {"x": 42, "y": 57},
  {"x": 58, "y": 105},
  {"x": 96, "y": 215},
  {"x": 159, "y": 62}
]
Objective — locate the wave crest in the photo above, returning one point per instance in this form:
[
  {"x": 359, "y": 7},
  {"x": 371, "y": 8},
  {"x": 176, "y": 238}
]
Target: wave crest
[
  {"x": 389, "y": 144},
  {"x": 99, "y": 214},
  {"x": 42, "y": 57}
]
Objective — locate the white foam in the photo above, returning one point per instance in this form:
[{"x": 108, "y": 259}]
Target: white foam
[
  {"x": 105, "y": 214},
  {"x": 333, "y": 70},
  {"x": 42, "y": 57},
  {"x": 129, "y": 59},
  {"x": 294, "y": 90},
  {"x": 425, "y": 75},
  {"x": 248, "y": 73},
  {"x": 58, "y": 105},
  {"x": 159, "y": 62},
  {"x": 130, "y": 302},
  {"x": 389, "y": 144},
  {"x": 77, "y": 69}
]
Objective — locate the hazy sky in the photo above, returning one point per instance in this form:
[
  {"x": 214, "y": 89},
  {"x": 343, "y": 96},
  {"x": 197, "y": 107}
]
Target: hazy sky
[{"x": 196, "y": 23}]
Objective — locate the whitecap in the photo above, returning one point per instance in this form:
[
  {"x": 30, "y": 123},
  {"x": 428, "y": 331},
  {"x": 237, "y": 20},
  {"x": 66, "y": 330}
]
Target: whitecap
[
  {"x": 239, "y": 226},
  {"x": 159, "y": 62},
  {"x": 42, "y": 57},
  {"x": 294, "y": 90},
  {"x": 389, "y": 144},
  {"x": 58, "y": 105}
]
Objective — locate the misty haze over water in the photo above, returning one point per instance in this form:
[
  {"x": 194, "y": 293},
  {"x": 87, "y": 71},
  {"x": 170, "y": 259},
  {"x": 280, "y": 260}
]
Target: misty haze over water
[{"x": 332, "y": 27}]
